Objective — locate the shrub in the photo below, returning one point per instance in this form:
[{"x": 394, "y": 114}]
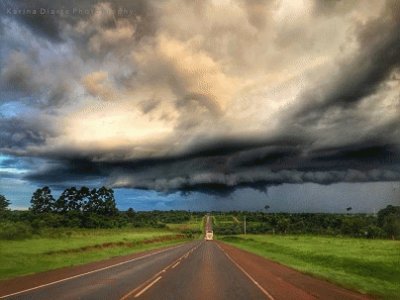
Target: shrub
[{"x": 14, "y": 231}]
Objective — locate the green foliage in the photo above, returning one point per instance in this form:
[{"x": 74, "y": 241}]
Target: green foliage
[
  {"x": 390, "y": 210},
  {"x": 389, "y": 220},
  {"x": 15, "y": 230},
  {"x": 96, "y": 208},
  {"x": 385, "y": 225},
  {"x": 104, "y": 202},
  {"x": 69, "y": 200},
  {"x": 42, "y": 201},
  {"x": 4, "y": 203},
  {"x": 370, "y": 266},
  {"x": 4, "y": 210},
  {"x": 75, "y": 208},
  {"x": 391, "y": 226},
  {"x": 61, "y": 247},
  {"x": 101, "y": 201}
]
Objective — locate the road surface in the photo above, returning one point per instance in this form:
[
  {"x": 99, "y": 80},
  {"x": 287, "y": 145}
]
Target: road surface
[{"x": 195, "y": 270}]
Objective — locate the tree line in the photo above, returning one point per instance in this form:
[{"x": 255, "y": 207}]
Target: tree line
[
  {"x": 79, "y": 208},
  {"x": 96, "y": 208},
  {"x": 385, "y": 224},
  {"x": 98, "y": 201},
  {"x": 75, "y": 207}
]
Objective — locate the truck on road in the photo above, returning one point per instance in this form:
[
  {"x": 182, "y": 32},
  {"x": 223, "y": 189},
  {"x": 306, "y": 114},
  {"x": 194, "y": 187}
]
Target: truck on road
[{"x": 209, "y": 232}]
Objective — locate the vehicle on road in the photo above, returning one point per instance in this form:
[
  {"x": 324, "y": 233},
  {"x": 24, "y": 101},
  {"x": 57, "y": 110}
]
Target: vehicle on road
[
  {"x": 208, "y": 228},
  {"x": 209, "y": 235}
]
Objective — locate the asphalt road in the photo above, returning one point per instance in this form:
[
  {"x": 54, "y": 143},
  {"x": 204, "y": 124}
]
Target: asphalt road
[
  {"x": 196, "y": 270},
  {"x": 207, "y": 273}
]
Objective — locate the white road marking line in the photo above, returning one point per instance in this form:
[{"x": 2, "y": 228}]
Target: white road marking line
[
  {"x": 173, "y": 267},
  {"x": 148, "y": 286},
  {"x": 90, "y": 272},
  {"x": 157, "y": 274},
  {"x": 248, "y": 275}
]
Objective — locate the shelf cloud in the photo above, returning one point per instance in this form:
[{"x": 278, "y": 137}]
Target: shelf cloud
[{"x": 206, "y": 96}]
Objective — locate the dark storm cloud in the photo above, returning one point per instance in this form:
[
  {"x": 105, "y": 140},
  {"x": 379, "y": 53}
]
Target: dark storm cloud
[
  {"x": 222, "y": 129},
  {"x": 367, "y": 154},
  {"x": 379, "y": 55},
  {"x": 223, "y": 171},
  {"x": 14, "y": 163},
  {"x": 62, "y": 174},
  {"x": 9, "y": 175},
  {"x": 52, "y": 16},
  {"x": 17, "y": 135},
  {"x": 46, "y": 26},
  {"x": 50, "y": 26},
  {"x": 17, "y": 75},
  {"x": 19, "y": 82}
]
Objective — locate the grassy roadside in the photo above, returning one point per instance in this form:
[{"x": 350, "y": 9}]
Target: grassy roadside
[
  {"x": 78, "y": 246},
  {"x": 369, "y": 266},
  {"x": 194, "y": 226}
]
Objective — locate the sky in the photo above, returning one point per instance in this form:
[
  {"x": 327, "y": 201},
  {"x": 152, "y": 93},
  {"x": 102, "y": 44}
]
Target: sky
[{"x": 203, "y": 105}]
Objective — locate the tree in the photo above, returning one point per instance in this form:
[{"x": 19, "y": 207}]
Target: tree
[
  {"x": 130, "y": 213},
  {"x": 4, "y": 203},
  {"x": 42, "y": 201},
  {"x": 391, "y": 226},
  {"x": 283, "y": 224},
  {"x": 99, "y": 201},
  {"x": 389, "y": 220},
  {"x": 85, "y": 199},
  {"x": 69, "y": 200},
  {"x": 106, "y": 196},
  {"x": 386, "y": 212},
  {"x": 353, "y": 225}
]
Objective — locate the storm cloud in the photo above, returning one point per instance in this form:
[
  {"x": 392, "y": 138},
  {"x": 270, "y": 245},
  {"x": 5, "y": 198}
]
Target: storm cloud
[{"x": 206, "y": 96}]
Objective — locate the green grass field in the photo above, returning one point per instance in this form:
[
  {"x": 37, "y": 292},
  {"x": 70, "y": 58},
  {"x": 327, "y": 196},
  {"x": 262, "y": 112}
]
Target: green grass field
[
  {"x": 369, "y": 266},
  {"x": 195, "y": 224},
  {"x": 78, "y": 246}
]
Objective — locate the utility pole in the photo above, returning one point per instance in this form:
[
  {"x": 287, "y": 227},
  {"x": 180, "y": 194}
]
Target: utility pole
[{"x": 244, "y": 225}]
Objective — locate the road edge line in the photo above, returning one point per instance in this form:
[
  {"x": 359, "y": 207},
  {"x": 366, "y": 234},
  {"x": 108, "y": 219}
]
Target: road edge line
[
  {"x": 89, "y": 272},
  {"x": 247, "y": 274}
]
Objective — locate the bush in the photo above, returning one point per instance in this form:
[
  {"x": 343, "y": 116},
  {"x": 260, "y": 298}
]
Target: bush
[{"x": 15, "y": 231}]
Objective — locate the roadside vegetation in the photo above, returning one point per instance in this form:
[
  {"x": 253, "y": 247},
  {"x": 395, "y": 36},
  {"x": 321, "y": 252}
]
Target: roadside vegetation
[
  {"x": 83, "y": 226},
  {"x": 58, "y": 248},
  {"x": 367, "y": 265},
  {"x": 96, "y": 208},
  {"x": 384, "y": 225},
  {"x": 358, "y": 251},
  {"x": 86, "y": 208}
]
